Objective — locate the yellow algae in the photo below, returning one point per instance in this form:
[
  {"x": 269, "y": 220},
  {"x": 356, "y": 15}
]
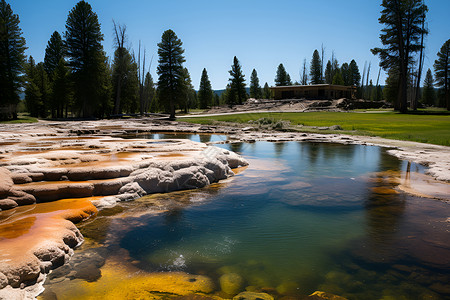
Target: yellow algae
[
  {"x": 383, "y": 190},
  {"x": 413, "y": 183},
  {"x": 124, "y": 281},
  {"x": 239, "y": 170},
  {"x": 325, "y": 296}
]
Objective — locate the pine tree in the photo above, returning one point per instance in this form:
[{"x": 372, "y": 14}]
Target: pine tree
[
  {"x": 87, "y": 61},
  {"x": 33, "y": 95},
  {"x": 428, "y": 95},
  {"x": 124, "y": 82},
  {"x": 390, "y": 91},
  {"x": 266, "y": 91},
  {"x": 255, "y": 88},
  {"x": 354, "y": 76},
  {"x": 61, "y": 94},
  {"x": 282, "y": 78},
  {"x": 54, "y": 57},
  {"x": 337, "y": 79},
  {"x": 402, "y": 20},
  {"x": 149, "y": 91},
  {"x": 345, "y": 72},
  {"x": 237, "y": 93},
  {"x": 442, "y": 71},
  {"x": 329, "y": 73},
  {"x": 315, "y": 70},
  {"x": 288, "y": 79},
  {"x": 205, "y": 93},
  {"x": 127, "y": 68},
  {"x": 12, "y": 60},
  {"x": 189, "y": 98},
  {"x": 170, "y": 71},
  {"x": 43, "y": 84},
  {"x": 54, "y": 52}
]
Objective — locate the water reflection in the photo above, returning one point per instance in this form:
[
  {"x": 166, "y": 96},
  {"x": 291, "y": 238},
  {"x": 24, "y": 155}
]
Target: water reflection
[
  {"x": 302, "y": 217},
  {"x": 236, "y": 147},
  {"x": 278, "y": 147}
]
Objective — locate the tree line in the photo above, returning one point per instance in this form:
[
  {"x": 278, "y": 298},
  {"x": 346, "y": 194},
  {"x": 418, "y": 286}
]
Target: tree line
[{"x": 77, "y": 79}]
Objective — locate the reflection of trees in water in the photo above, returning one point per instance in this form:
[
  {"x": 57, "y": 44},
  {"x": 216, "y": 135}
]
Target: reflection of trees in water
[
  {"x": 310, "y": 151},
  {"x": 343, "y": 153},
  {"x": 205, "y": 138},
  {"x": 175, "y": 136},
  {"x": 384, "y": 207},
  {"x": 326, "y": 153},
  {"x": 279, "y": 147},
  {"x": 236, "y": 147}
]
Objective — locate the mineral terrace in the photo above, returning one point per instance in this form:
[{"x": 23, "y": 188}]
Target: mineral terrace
[{"x": 88, "y": 165}]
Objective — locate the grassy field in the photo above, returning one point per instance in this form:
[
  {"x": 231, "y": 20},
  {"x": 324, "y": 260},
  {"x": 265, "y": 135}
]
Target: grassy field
[
  {"x": 21, "y": 119},
  {"x": 425, "y": 126}
]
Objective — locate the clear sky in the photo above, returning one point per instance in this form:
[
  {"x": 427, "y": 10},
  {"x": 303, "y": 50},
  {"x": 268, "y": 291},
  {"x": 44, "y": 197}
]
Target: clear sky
[{"x": 262, "y": 34}]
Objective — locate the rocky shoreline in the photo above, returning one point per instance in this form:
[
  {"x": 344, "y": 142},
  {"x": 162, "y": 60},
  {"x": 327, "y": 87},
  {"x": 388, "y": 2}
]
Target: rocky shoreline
[{"x": 49, "y": 161}]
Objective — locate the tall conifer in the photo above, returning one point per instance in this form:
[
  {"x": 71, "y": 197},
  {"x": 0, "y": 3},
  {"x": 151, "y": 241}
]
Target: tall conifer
[
  {"x": 442, "y": 72},
  {"x": 12, "y": 60},
  {"x": 170, "y": 71},
  {"x": 205, "y": 93},
  {"x": 255, "y": 88},
  {"x": 315, "y": 70},
  {"x": 428, "y": 95},
  {"x": 87, "y": 61},
  {"x": 54, "y": 52},
  {"x": 237, "y": 93},
  {"x": 402, "y": 20}
]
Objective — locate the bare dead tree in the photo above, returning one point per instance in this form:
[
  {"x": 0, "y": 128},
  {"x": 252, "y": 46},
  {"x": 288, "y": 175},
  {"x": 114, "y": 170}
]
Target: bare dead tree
[
  {"x": 141, "y": 78},
  {"x": 321, "y": 65},
  {"x": 367, "y": 81},
  {"x": 119, "y": 40},
  {"x": 378, "y": 82},
  {"x": 363, "y": 78},
  {"x": 304, "y": 76}
]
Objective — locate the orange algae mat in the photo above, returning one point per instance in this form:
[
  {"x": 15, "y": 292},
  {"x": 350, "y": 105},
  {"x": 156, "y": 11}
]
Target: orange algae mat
[{"x": 25, "y": 228}]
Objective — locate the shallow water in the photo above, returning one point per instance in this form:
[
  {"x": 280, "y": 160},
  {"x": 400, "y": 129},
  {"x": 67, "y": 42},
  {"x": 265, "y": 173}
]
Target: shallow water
[{"x": 302, "y": 217}]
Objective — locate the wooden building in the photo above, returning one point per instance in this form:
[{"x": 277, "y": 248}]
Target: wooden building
[{"x": 315, "y": 91}]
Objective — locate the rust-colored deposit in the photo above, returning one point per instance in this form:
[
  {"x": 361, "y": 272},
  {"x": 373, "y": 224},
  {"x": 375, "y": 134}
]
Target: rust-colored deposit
[{"x": 37, "y": 238}]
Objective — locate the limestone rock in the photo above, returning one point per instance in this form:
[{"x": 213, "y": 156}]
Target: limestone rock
[
  {"x": 7, "y": 204},
  {"x": 6, "y": 182},
  {"x": 21, "y": 198},
  {"x": 231, "y": 283},
  {"x": 19, "y": 178},
  {"x": 3, "y": 280}
]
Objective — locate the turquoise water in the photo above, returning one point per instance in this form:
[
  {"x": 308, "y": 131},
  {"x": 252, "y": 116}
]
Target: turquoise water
[{"x": 304, "y": 217}]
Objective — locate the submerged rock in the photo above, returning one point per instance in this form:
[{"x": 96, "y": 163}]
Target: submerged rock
[
  {"x": 231, "y": 283},
  {"x": 252, "y": 296},
  {"x": 325, "y": 296}
]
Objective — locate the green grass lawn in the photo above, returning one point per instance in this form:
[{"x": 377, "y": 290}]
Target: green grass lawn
[
  {"x": 425, "y": 126},
  {"x": 21, "y": 119}
]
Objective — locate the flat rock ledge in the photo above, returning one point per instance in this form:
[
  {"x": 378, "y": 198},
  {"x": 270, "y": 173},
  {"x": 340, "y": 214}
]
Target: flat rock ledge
[
  {"x": 45, "y": 165},
  {"x": 117, "y": 169}
]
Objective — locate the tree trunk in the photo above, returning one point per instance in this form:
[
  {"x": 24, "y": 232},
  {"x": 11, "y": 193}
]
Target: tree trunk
[{"x": 419, "y": 72}]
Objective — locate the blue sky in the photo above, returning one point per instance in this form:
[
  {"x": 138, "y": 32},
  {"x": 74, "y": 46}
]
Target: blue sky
[{"x": 262, "y": 34}]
